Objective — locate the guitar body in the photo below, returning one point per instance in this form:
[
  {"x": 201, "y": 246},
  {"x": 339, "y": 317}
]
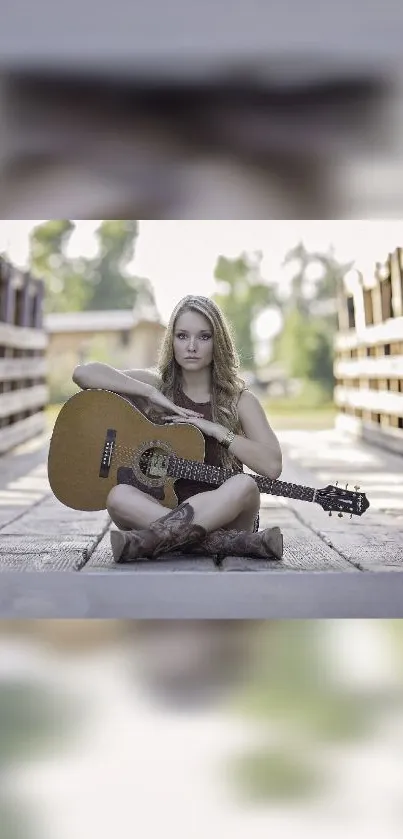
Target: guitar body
[{"x": 98, "y": 432}]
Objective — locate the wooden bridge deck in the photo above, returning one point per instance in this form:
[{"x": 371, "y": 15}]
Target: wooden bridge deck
[{"x": 331, "y": 567}]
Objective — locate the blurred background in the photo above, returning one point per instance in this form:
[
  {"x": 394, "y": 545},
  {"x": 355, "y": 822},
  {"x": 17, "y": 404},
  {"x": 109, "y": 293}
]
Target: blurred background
[{"x": 227, "y": 728}]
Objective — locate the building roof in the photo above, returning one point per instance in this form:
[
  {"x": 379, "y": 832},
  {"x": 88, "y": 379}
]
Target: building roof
[{"x": 115, "y": 320}]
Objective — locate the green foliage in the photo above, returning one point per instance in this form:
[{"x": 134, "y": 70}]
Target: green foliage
[
  {"x": 34, "y": 720},
  {"x": 111, "y": 286},
  {"x": 306, "y": 349},
  {"x": 305, "y": 344},
  {"x": 80, "y": 283},
  {"x": 243, "y": 295},
  {"x": 293, "y": 698},
  {"x": 66, "y": 289},
  {"x": 275, "y": 775}
]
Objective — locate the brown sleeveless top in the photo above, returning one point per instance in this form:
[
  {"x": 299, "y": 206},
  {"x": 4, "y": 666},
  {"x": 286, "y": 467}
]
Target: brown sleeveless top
[{"x": 184, "y": 488}]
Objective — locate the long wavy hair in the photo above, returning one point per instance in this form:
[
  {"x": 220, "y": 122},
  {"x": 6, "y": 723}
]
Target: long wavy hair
[{"x": 226, "y": 385}]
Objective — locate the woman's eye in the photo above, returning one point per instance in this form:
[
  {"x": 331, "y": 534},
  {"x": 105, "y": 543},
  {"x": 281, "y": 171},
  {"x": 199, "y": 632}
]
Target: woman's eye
[{"x": 182, "y": 335}]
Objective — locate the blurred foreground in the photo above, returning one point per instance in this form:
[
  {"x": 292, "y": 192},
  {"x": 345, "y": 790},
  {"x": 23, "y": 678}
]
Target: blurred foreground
[
  {"x": 234, "y": 149},
  {"x": 224, "y": 728}
]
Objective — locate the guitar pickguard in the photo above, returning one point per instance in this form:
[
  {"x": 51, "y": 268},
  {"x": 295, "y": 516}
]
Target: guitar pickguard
[{"x": 125, "y": 475}]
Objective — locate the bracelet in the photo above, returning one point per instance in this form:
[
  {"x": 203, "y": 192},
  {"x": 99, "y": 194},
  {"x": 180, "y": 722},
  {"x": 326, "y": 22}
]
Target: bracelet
[{"x": 228, "y": 439}]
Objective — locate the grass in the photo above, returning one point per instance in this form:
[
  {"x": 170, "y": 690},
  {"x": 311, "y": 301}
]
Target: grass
[
  {"x": 312, "y": 409},
  {"x": 303, "y": 420}
]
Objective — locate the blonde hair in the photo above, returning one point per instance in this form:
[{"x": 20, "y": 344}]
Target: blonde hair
[{"x": 226, "y": 385}]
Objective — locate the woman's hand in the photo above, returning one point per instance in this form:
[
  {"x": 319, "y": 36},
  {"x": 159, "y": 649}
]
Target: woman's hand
[
  {"x": 158, "y": 398},
  {"x": 211, "y": 429}
]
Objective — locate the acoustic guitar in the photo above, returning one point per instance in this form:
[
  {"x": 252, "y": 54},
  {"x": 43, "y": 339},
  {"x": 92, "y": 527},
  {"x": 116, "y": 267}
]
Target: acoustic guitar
[{"x": 100, "y": 439}]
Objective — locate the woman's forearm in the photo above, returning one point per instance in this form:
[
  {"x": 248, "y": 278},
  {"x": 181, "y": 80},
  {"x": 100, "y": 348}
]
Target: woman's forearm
[
  {"x": 265, "y": 460},
  {"x": 95, "y": 374}
]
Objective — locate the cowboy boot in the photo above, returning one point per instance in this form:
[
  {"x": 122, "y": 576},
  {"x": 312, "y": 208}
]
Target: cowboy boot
[
  {"x": 266, "y": 544},
  {"x": 175, "y": 530}
]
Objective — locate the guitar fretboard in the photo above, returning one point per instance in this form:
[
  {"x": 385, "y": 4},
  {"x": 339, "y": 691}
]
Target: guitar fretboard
[{"x": 194, "y": 471}]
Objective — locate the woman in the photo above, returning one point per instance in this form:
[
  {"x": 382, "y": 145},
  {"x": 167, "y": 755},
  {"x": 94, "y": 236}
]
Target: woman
[{"x": 197, "y": 382}]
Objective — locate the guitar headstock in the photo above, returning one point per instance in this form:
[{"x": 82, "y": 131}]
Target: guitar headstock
[{"x": 334, "y": 498}]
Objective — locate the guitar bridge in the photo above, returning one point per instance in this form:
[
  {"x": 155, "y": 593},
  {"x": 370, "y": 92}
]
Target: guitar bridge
[{"x": 107, "y": 453}]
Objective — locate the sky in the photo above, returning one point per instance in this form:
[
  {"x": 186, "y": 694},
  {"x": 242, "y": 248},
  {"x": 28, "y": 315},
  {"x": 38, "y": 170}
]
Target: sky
[{"x": 179, "y": 256}]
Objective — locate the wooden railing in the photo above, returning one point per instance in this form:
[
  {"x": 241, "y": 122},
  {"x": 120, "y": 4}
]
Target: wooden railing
[
  {"x": 23, "y": 365},
  {"x": 369, "y": 354}
]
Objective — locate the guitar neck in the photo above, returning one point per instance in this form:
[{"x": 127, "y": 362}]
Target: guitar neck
[{"x": 195, "y": 471}]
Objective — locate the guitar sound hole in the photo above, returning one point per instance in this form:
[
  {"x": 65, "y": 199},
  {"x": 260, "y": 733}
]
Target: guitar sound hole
[{"x": 153, "y": 463}]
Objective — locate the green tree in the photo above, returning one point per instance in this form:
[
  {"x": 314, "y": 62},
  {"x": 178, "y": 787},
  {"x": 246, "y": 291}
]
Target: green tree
[
  {"x": 81, "y": 283},
  {"x": 66, "y": 290},
  {"x": 305, "y": 343},
  {"x": 242, "y": 296},
  {"x": 112, "y": 286},
  {"x": 310, "y": 295}
]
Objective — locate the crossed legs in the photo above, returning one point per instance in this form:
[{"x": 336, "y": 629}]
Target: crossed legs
[
  {"x": 233, "y": 505},
  {"x": 205, "y": 523}
]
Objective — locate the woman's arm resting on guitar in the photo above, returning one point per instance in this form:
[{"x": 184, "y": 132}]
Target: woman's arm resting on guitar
[{"x": 96, "y": 374}]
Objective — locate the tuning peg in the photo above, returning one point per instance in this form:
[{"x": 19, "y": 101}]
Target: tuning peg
[
  {"x": 356, "y": 488},
  {"x": 330, "y": 513},
  {"x": 351, "y": 515},
  {"x": 346, "y": 486},
  {"x": 340, "y": 515},
  {"x": 336, "y": 484}
]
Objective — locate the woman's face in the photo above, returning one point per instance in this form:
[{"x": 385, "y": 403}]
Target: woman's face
[{"x": 193, "y": 341}]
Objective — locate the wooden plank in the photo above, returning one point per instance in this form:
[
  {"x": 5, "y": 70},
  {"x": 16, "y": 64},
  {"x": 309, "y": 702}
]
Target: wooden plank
[
  {"x": 386, "y": 298},
  {"x": 200, "y": 596},
  {"x": 8, "y": 301},
  {"x": 390, "y": 439},
  {"x": 13, "y": 435},
  {"x": 304, "y": 552},
  {"x": 23, "y": 400},
  {"x": 48, "y": 536},
  {"x": 22, "y": 338},
  {"x": 397, "y": 282},
  {"x": 381, "y": 333},
  {"x": 369, "y": 548},
  {"x": 359, "y": 309},
  {"x": 13, "y": 369},
  {"x": 342, "y": 311},
  {"x": 370, "y": 400},
  {"x": 38, "y": 306},
  {"x": 388, "y": 367},
  {"x": 36, "y": 524},
  {"x": 30, "y": 553},
  {"x": 368, "y": 309}
]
